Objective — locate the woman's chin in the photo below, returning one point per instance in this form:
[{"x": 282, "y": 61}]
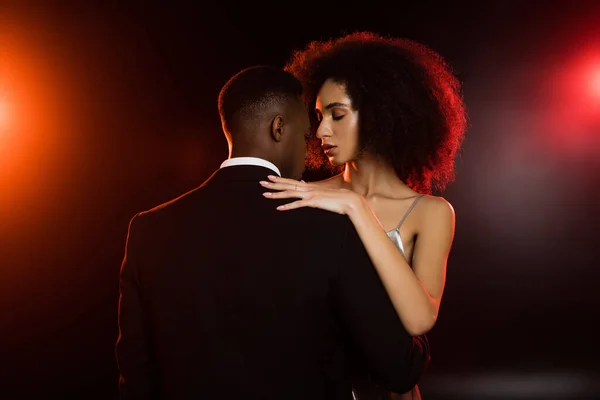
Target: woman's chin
[{"x": 335, "y": 161}]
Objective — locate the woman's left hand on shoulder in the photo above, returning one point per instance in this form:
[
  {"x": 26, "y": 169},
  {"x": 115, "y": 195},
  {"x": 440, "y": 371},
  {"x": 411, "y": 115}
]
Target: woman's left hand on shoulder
[{"x": 340, "y": 201}]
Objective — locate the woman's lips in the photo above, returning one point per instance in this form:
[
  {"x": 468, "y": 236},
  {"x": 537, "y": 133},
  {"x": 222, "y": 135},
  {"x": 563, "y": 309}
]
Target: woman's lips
[{"x": 328, "y": 148}]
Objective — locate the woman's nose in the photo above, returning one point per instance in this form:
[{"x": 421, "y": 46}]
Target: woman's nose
[{"x": 324, "y": 131}]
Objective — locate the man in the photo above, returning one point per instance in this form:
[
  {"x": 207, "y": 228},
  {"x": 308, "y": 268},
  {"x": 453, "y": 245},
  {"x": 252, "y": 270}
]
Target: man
[{"x": 224, "y": 297}]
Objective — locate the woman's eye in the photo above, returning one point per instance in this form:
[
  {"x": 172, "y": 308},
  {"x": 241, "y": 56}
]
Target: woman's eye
[{"x": 337, "y": 117}]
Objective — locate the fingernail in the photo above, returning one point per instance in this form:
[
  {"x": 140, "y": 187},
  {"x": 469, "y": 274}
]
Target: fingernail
[
  {"x": 267, "y": 194},
  {"x": 265, "y": 183},
  {"x": 281, "y": 208},
  {"x": 272, "y": 177}
]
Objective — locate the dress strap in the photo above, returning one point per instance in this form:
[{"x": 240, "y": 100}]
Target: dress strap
[{"x": 414, "y": 203}]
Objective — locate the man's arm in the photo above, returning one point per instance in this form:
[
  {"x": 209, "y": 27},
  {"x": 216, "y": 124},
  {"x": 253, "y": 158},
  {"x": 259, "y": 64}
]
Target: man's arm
[
  {"x": 395, "y": 360},
  {"x": 132, "y": 348}
]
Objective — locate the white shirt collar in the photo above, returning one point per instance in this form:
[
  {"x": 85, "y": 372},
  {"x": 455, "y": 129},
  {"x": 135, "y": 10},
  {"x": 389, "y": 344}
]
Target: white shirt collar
[{"x": 250, "y": 161}]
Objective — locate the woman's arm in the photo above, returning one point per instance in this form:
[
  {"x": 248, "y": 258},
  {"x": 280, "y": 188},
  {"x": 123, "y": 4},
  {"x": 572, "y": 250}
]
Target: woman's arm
[{"x": 415, "y": 293}]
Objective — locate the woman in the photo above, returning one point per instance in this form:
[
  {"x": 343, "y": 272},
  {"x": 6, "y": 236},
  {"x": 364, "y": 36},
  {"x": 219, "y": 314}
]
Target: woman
[{"x": 388, "y": 115}]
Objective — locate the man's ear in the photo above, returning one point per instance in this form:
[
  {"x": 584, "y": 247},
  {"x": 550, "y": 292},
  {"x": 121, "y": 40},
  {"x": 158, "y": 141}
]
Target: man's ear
[{"x": 277, "y": 128}]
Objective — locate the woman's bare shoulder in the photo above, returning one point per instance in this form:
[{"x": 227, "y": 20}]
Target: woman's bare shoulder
[
  {"x": 435, "y": 210},
  {"x": 438, "y": 203}
]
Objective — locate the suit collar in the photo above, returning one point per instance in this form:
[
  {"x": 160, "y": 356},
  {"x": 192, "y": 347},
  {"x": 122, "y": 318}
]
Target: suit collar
[
  {"x": 250, "y": 161},
  {"x": 240, "y": 173}
]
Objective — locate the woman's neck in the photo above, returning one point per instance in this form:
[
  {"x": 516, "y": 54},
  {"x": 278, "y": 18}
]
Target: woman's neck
[{"x": 370, "y": 177}]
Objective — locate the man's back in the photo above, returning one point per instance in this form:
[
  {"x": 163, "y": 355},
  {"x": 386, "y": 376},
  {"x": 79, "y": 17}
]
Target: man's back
[{"x": 225, "y": 297}]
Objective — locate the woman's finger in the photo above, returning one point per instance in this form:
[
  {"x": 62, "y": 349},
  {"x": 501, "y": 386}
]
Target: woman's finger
[
  {"x": 277, "y": 186},
  {"x": 279, "y": 179},
  {"x": 293, "y": 205},
  {"x": 287, "y": 194},
  {"x": 299, "y": 186}
]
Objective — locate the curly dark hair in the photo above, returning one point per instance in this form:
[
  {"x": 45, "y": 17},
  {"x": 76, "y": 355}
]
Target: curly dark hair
[{"x": 410, "y": 103}]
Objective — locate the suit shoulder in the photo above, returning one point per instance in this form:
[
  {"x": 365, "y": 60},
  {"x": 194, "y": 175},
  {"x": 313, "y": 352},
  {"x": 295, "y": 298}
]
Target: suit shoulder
[
  {"x": 169, "y": 208},
  {"x": 333, "y": 225},
  {"x": 318, "y": 215}
]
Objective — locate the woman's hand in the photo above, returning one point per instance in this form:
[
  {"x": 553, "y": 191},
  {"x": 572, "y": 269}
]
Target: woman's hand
[{"x": 341, "y": 201}]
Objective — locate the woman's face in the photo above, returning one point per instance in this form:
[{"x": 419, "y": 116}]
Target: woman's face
[{"x": 338, "y": 123}]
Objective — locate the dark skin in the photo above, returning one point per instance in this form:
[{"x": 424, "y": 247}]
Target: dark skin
[{"x": 277, "y": 135}]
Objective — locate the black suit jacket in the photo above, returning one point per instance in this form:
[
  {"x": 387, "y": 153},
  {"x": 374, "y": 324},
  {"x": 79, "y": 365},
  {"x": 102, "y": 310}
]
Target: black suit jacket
[{"x": 225, "y": 297}]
